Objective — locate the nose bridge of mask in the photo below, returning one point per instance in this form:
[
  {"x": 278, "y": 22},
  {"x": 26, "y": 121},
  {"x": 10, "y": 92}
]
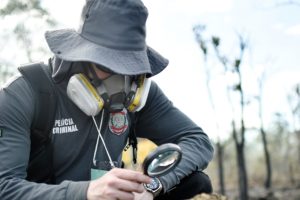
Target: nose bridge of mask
[
  {"x": 84, "y": 95},
  {"x": 115, "y": 97},
  {"x": 115, "y": 84}
]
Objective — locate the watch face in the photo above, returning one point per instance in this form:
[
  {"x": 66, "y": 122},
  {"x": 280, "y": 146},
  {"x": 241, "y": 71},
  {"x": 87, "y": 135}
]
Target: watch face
[{"x": 153, "y": 185}]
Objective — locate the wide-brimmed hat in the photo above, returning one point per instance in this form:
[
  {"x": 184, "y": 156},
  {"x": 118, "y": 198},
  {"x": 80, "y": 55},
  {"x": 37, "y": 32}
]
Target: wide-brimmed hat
[{"x": 112, "y": 34}]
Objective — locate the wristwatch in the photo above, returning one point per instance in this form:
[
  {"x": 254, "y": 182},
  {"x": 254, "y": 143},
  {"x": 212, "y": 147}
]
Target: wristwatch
[{"x": 154, "y": 187}]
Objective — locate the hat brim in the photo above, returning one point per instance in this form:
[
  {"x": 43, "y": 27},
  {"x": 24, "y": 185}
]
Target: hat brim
[{"x": 69, "y": 45}]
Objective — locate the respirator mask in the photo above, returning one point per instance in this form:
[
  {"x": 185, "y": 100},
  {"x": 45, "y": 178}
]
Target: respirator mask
[{"x": 113, "y": 93}]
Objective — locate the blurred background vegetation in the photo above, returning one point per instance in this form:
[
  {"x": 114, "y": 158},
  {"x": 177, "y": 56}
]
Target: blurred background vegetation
[{"x": 265, "y": 167}]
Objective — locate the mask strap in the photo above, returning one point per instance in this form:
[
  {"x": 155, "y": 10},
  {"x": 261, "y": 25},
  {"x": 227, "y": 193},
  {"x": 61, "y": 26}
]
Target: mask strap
[
  {"x": 127, "y": 83},
  {"x": 97, "y": 143},
  {"x": 94, "y": 80}
]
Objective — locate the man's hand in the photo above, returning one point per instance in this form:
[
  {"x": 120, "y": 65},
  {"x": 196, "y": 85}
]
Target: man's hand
[
  {"x": 143, "y": 196},
  {"x": 117, "y": 184}
]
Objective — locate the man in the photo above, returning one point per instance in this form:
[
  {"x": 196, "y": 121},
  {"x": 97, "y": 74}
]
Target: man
[{"x": 99, "y": 74}]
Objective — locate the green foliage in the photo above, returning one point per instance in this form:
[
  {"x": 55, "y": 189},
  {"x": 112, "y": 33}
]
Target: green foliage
[
  {"x": 215, "y": 41},
  {"x": 198, "y": 35},
  {"x": 237, "y": 87},
  {"x": 294, "y": 100},
  {"x": 19, "y": 6},
  {"x": 237, "y": 63},
  {"x": 22, "y": 38}
]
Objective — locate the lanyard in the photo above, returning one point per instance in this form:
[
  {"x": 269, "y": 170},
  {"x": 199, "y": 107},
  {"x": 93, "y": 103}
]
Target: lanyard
[{"x": 97, "y": 143}]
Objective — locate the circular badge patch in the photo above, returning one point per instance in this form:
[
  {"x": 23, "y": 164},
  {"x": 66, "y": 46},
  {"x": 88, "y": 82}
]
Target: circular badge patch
[{"x": 118, "y": 122}]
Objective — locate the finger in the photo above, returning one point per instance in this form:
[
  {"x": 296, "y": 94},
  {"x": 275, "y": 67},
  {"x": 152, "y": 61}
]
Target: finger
[
  {"x": 132, "y": 175},
  {"x": 119, "y": 194},
  {"x": 129, "y": 186}
]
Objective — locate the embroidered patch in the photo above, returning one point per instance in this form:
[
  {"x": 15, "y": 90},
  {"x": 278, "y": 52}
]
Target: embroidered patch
[
  {"x": 64, "y": 125},
  {"x": 118, "y": 122}
]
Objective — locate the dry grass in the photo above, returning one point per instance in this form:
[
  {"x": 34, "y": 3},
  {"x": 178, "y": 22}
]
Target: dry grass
[{"x": 209, "y": 197}]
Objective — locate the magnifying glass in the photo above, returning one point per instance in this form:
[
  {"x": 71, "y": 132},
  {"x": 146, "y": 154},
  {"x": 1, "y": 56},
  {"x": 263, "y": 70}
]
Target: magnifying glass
[{"x": 162, "y": 160}]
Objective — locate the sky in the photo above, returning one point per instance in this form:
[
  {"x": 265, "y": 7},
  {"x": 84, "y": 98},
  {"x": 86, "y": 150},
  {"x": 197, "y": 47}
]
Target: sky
[{"x": 274, "y": 37}]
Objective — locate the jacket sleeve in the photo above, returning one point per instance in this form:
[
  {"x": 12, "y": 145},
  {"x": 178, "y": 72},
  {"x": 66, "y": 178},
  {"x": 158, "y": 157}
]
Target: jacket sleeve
[
  {"x": 16, "y": 112},
  {"x": 161, "y": 122}
]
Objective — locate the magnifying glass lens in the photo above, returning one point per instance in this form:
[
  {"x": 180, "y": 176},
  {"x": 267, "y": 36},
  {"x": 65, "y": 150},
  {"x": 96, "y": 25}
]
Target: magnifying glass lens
[{"x": 163, "y": 162}]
